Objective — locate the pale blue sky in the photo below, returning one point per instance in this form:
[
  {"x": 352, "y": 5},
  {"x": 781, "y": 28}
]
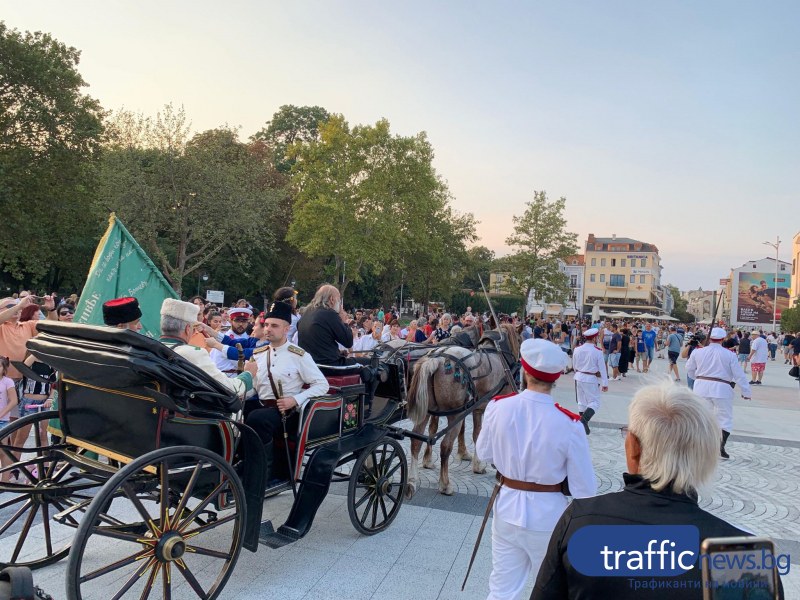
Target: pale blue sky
[{"x": 675, "y": 123}]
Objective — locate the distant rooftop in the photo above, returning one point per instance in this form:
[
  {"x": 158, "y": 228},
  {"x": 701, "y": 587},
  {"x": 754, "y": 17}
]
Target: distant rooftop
[{"x": 618, "y": 244}]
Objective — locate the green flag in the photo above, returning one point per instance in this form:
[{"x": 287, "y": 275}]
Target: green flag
[{"x": 121, "y": 268}]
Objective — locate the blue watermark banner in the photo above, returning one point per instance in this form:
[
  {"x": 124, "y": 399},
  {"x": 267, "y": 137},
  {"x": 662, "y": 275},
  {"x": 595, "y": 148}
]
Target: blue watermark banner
[{"x": 634, "y": 550}]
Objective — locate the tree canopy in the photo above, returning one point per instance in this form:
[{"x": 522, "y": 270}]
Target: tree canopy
[{"x": 540, "y": 239}]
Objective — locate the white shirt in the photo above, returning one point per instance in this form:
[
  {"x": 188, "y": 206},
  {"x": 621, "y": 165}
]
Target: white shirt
[
  {"x": 719, "y": 362},
  {"x": 292, "y": 368},
  {"x": 529, "y": 439},
  {"x": 587, "y": 359},
  {"x": 220, "y": 359},
  {"x": 365, "y": 343},
  {"x": 200, "y": 358},
  {"x": 759, "y": 349}
]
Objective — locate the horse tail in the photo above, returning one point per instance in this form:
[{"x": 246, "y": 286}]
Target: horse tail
[{"x": 420, "y": 393}]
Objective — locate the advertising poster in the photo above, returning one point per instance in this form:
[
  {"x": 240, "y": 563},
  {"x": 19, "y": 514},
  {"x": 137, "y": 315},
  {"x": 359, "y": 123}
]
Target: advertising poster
[{"x": 756, "y": 297}]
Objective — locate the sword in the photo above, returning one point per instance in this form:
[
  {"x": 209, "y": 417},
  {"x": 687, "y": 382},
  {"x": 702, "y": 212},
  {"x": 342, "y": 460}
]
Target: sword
[
  {"x": 509, "y": 378},
  {"x": 284, "y": 416}
]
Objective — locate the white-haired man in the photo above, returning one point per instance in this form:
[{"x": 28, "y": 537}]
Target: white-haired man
[
  {"x": 591, "y": 376},
  {"x": 178, "y": 322},
  {"x": 715, "y": 369},
  {"x": 536, "y": 446},
  {"x": 671, "y": 445}
]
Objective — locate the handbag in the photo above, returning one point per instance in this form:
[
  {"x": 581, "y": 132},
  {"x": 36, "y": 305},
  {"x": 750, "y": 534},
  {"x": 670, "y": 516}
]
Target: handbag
[{"x": 794, "y": 371}]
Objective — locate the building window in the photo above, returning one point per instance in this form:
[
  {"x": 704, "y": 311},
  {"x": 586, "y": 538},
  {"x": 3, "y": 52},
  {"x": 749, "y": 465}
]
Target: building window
[
  {"x": 644, "y": 262},
  {"x": 623, "y": 261},
  {"x": 594, "y": 262},
  {"x": 574, "y": 262},
  {"x": 783, "y": 267},
  {"x": 591, "y": 277},
  {"x": 602, "y": 262},
  {"x": 613, "y": 262},
  {"x": 633, "y": 262},
  {"x": 573, "y": 281},
  {"x": 602, "y": 278},
  {"x": 633, "y": 278},
  {"x": 641, "y": 278},
  {"x": 617, "y": 280}
]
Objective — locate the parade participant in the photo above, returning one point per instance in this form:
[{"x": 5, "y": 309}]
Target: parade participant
[
  {"x": 283, "y": 370},
  {"x": 535, "y": 445},
  {"x": 759, "y": 353},
  {"x": 228, "y": 345},
  {"x": 324, "y": 326},
  {"x": 591, "y": 377},
  {"x": 123, "y": 313},
  {"x": 240, "y": 319},
  {"x": 670, "y": 450},
  {"x": 178, "y": 321},
  {"x": 714, "y": 370}
]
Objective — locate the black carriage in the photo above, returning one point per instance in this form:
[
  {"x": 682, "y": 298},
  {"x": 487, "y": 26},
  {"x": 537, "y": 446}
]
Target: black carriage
[{"x": 147, "y": 453}]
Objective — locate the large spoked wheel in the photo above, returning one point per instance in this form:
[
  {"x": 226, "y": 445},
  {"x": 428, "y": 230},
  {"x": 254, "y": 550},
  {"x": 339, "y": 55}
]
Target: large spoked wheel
[
  {"x": 182, "y": 545},
  {"x": 375, "y": 492},
  {"x": 41, "y": 504}
]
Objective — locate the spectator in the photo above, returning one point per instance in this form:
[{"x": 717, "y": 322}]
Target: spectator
[
  {"x": 8, "y": 403},
  {"x": 649, "y": 338},
  {"x": 613, "y": 350},
  {"x": 772, "y": 345},
  {"x": 671, "y": 447},
  {"x": 674, "y": 343},
  {"x": 759, "y": 351}
]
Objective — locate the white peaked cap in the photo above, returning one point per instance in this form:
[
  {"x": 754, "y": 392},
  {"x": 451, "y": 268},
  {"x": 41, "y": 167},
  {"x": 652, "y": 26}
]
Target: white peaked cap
[
  {"x": 185, "y": 311},
  {"x": 718, "y": 333},
  {"x": 591, "y": 332},
  {"x": 543, "y": 359}
]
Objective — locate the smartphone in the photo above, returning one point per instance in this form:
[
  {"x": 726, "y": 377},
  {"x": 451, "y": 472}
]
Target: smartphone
[
  {"x": 739, "y": 567},
  {"x": 39, "y": 300}
]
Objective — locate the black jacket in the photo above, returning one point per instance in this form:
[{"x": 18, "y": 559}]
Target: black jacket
[
  {"x": 318, "y": 332},
  {"x": 637, "y": 504}
]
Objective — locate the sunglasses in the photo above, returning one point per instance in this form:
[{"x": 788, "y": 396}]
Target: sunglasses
[{"x": 64, "y": 313}]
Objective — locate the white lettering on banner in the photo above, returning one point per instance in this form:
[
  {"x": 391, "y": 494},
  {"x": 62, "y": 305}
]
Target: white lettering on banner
[
  {"x": 90, "y": 304},
  {"x": 138, "y": 288}
]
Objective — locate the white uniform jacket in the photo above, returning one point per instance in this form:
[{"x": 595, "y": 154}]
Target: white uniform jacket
[
  {"x": 292, "y": 368},
  {"x": 529, "y": 438},
  {"x": 719, "y": 362},
  {"x": 199, "y": 357},
  {"x": 587, "y": 359},
  {"x": 221, "y": 359}
]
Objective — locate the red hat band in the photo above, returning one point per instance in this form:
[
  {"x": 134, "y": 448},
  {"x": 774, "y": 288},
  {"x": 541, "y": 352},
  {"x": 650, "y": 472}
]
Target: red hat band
[{"x": 549, "y": 377}]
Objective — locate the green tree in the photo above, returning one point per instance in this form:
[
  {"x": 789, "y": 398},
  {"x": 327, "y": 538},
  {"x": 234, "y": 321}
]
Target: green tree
[
  {"x": 186, "y": 198},
  {"x": 681, "y": 308},
  {"x": 480, "y": 261},
  {"x": 291, "y": 125},
  {"x": 50, "y": 134},
  {"x": 540, "y": 240},
  {"x": 790, "y": 318},
  {"x": 366, "y": 199}
]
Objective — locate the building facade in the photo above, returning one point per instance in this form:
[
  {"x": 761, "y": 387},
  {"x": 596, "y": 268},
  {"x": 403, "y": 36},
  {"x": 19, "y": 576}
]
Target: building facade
[
  {"x": 624, "y": 275},
  {"x": 700, "y": 304},
  {"x": 795, "y": 293},
  {"x": 575, "y": 270}
]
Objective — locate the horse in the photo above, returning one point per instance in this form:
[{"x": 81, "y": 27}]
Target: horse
[{"x": 443, "y": 382}]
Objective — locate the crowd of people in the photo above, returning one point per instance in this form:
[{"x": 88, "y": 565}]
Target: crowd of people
[{"x": 275, "y": 359}]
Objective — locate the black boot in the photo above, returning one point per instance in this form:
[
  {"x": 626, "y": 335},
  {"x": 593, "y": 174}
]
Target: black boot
[
  {"x": 269, "y": 457},
  {"x": 585, "y": 418},
  {"x": 722, "y": 452}
]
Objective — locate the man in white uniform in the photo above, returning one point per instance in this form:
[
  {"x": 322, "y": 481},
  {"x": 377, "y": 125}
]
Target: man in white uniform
[
  {"x": 283, "y": 370},
  {"x": 535, "y": 445},
  {"x": 240, "y": 318},
  {"x": 591, "y": 376},
  {"x": 714, "y": 369},
  {"x": 178, "y": 321}
]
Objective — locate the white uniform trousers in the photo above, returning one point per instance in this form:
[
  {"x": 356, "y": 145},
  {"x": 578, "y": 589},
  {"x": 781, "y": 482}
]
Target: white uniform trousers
[
  {"x": 516, "y": 553},
  {"x": 723, "y": 410},
  {"x": 588, "y": 395}
]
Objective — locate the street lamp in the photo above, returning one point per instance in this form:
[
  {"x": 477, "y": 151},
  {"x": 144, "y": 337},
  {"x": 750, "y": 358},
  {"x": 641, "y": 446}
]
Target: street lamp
[
  {"x": 204, "y": 277},
  {"x": 777, "y": 246}
]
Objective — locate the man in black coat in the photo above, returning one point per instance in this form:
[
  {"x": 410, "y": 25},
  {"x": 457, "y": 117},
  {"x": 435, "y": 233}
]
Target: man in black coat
[
  {"x": 671, "y": 448},
  {"x": 324, "y": 326}
]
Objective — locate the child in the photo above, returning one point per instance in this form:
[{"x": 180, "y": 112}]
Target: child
[{"x": 8, "y": 400}]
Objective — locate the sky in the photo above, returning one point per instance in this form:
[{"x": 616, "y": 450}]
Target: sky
[{"x": 674, "y": 123}]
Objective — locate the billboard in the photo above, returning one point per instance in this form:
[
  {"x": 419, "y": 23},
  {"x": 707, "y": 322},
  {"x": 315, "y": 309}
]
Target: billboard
[{"x": 755, "y": 297}]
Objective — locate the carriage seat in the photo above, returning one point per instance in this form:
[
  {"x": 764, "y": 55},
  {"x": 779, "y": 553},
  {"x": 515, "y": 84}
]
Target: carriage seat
[{"x": 491, "y": 336}]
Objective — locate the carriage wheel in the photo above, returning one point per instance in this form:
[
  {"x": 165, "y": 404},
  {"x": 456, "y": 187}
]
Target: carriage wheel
[
  {"x": 183, "y": 544},
  {"x": 47, "y": 485},
  {"x": 377, "y": 481}
]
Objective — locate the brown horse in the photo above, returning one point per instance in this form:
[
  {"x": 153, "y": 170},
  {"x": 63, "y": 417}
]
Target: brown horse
[{"x": 439, "y": 384}]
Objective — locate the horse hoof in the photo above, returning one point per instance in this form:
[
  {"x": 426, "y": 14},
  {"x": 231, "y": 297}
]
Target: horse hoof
[
  {"x": 448, "y": 491},
  {"x": 480, "y": 470},
  {"x": 411, "y": 489},
  {"x": 429, "y": 465},
  {"x": 465, "y": 457}
]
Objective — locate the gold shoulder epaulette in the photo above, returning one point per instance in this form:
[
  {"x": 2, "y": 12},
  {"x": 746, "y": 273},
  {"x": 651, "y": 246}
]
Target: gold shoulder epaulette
[
  {"x": 296, "y": 350},
  {"x": 260, "y": 350}
]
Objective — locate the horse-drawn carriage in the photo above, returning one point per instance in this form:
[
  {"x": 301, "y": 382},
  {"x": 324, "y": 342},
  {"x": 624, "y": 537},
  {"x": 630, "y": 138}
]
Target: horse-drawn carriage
[{"x": 146, "y": 459}]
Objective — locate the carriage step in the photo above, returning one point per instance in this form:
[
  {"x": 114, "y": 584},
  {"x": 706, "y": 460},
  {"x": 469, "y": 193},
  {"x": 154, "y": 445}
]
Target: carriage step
[{"x": 277, "y": 539}]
